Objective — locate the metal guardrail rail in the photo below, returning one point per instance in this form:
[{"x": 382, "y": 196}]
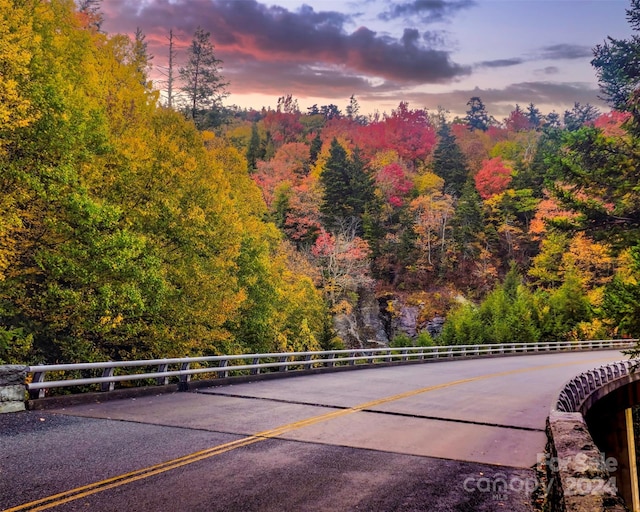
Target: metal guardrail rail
[{"x": 253, "y": 364}]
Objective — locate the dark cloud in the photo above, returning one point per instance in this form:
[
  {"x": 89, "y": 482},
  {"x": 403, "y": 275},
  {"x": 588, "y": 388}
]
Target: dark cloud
[
  {"x": 305, "y": 81},
  {"x": 428, "y": 11},
  {"x": 500, "y": 63},
  {"x": 549, "y": 70},
  {"x": 565, "y": 51},
  {"x": 552, "y": 52},
  {"x": 249, "y": 30}
]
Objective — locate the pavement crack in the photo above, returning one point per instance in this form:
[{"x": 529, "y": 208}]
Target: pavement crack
[
  {"x": 279, "y": 400},
  {"x": 456, "y": 420},
  {"x": 390, "y": 413}
]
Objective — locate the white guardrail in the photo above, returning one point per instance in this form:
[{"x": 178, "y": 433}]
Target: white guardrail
[{"x": 253, "y": 364}]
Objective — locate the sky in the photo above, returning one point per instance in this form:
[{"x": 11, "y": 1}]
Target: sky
[{"x": 429, "y": 53}]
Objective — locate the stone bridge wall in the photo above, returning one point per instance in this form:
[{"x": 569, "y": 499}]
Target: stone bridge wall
[
  {"x": 579, "y": 477},
  {"x": 12, "y": 388}
]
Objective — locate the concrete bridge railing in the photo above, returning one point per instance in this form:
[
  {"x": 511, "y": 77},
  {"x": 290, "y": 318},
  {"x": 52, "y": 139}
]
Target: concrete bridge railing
[{"x": 580, "y": 476}]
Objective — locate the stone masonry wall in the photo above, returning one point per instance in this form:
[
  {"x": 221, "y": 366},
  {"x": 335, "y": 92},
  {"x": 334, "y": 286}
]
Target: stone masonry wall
[
  {"x": 12, "y": 388},
  {"x": 577, "y": 477}
]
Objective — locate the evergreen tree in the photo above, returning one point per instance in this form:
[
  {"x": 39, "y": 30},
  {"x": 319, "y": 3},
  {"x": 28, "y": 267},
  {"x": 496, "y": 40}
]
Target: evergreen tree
[
  {"x": 622, "y": 298},
  {"x": 477, "y": 117},
  {"x": 579, "y": 116},
  {"x": 596, "y": 177},
  {"x": 532, "y": 175},
  {"x": 347, "y": 186},
  {"x": 315, "y": 148},
  {"x": 203, "y": 85},
  {"x": 534, "y": 116},
  {"x": 468, "y": 222},
  {"x": 449, "y": 162},
  {"x": 617, "y": 64},
  {"x": 253, "y": 149},
  {"x": 141, "y": 56}
]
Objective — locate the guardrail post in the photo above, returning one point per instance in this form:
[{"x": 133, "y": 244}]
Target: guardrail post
[
  {"x": 308, "y": 362},
  {"x": 330, "y": 363},
  {"x": 162, "y": 381},
  {"x": 108, "y": 386},
  {"x": 37, "y": 393},
  {"x": 255, "y": 371},
  {"x": 281, "y": 359},
  {"x": 12, "y": 388},
  {"x": 183, "y": 384},
  {"x": 223, "y": 364}
]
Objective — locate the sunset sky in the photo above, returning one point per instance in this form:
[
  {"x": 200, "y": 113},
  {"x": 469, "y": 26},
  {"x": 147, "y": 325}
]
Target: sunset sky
[{"x": 426, "y": 52}]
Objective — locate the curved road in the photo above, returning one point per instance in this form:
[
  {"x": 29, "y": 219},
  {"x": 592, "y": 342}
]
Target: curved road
[{"x": 458, "y": 435}]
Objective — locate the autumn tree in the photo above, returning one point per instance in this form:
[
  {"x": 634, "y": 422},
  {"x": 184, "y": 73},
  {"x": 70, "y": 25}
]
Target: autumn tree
[
  {"x": 517, "y": 120},
  {"x": 433, "y": 211},
  {"x": 344, "y": 260},
  {"x": 203, "y": 84},
  {"x": 493, "y": 177},
  {"x": 130, "y": 233}
]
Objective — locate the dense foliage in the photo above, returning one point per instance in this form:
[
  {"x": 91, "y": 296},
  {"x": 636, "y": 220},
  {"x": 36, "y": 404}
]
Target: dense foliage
[
  {"x": 124, "y": 231},
  {"x": 128, "y": 231}
]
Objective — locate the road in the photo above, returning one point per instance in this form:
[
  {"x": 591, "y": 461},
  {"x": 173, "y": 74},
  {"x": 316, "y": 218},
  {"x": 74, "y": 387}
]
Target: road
[{"x": 438, "y": 436}]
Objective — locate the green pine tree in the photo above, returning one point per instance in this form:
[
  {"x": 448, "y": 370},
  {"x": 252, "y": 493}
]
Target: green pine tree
[{"x": 449, "y": 162}]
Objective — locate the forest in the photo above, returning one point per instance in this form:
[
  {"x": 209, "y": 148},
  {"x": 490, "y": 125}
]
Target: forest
[{"x": 136, "y": 225}]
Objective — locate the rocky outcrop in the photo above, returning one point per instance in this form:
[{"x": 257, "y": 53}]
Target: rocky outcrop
[{"x": 375, "y": 320}]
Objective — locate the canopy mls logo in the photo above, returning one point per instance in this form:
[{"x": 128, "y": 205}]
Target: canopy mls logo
[{"x": 500, "y": 485}]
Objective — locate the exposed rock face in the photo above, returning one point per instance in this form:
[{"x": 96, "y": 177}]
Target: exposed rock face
[
  {"x": 346, "y": 327},
  {"x": 406, "y": 321},
  {"x": 434, "y": 326},
  {"x": 377, "y": 320},
  {"x": 363, "y": 327},
  {"x": 369, "y": 320}
]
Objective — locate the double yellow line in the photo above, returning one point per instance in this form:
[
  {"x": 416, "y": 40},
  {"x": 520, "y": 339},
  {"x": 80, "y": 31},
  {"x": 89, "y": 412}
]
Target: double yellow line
[{"x": 140, "y": 474}]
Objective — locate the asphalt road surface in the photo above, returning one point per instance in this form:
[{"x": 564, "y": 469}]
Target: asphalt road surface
[{"x": 451, "y": 436}]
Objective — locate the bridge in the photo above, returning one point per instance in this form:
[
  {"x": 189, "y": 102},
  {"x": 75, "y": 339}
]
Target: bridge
[{"x": 465, "y": 434}]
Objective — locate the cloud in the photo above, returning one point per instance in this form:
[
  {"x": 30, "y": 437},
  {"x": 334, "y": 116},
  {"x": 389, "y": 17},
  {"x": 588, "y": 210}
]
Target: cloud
[
  {"x": 245, "y": 31},
  {"x": 565, "y": 51},
  {"x": 500, "y": 63},
  {"x": 427, "y": 11},
  {"x": 549, "y": 70},
  {"x": 500, "y": 102}
]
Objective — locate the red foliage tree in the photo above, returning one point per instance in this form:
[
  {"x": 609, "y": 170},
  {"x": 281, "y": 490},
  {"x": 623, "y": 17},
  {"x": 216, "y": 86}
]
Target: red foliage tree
[
  {"x": 410, "y": 133},
  {"x": 517, "y": 121},
  {"x": 611, "y": 123},
  {"x": 492, "y": 178},
  {"x": 394, "y": 183},
  {"x": 284, "y": 127}
]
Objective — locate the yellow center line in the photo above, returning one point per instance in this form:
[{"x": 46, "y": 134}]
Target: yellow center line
[{"x": 133, "y": 476}]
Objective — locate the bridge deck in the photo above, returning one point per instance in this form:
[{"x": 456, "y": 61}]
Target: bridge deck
[{"x": 420, "y": 437}]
